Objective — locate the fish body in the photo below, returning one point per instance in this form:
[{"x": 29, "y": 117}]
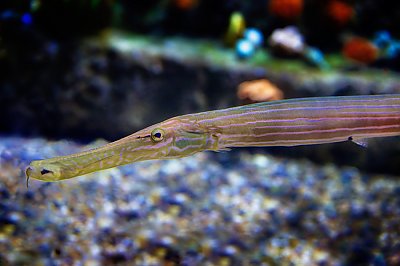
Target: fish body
[{"x": 279, "y": 123}]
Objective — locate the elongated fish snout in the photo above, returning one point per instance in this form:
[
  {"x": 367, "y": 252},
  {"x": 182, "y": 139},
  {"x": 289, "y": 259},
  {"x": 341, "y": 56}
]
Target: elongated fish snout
[{"x": 42, "y": 171}]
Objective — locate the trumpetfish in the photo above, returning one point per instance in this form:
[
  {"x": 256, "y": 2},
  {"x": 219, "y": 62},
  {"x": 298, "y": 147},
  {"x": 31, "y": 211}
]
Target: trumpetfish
[{"x": 280, "y": 123}]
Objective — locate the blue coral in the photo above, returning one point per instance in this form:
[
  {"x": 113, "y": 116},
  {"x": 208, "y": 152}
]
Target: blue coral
[
  {"x": 26, "y": 19},
  {"x": 393, "y": 49},
  {"x": 316, "y": 57},
  {"x": 247, "y": 46},
  {"x": 255, "y": 36},
  {"x": 382, "y": 39},
  {"x": 244, "y": 48}
]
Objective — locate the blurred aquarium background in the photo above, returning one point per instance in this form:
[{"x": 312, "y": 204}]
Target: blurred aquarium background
[{"x": 76, "y": 74}]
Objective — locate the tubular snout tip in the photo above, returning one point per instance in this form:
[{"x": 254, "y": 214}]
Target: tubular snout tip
[{"x": 28, "y": 171}]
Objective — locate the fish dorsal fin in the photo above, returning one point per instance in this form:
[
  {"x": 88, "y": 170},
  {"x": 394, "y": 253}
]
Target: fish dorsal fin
[{"x": 361, "y": 142}]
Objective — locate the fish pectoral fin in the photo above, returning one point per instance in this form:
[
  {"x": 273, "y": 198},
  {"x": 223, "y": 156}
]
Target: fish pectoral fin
[
  {"x": 195, "y": 132},
  {"x": 361, "y": 142},
  {"x": 223, "y": 149}
]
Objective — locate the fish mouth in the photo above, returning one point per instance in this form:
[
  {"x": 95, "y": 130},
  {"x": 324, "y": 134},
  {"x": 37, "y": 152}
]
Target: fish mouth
[
  {"x": 31, "y": 172},
  {"x": 47, "y": 173}
]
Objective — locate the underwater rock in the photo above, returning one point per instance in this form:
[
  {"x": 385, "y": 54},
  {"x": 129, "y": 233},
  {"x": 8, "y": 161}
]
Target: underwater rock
[
  {"x": 185, "y": 4},
  {"x": 341, "y": 12},
  {"x": 286, "y": 9},
  {"x": 287, "y": 41},
  {"x": 360, "y": 50},
  {"x": 260, "y": 90}
]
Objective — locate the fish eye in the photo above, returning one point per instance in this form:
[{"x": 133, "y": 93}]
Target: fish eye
[
  {"x": 45, "y": 171},
  {"x": 157, "y": 135}
]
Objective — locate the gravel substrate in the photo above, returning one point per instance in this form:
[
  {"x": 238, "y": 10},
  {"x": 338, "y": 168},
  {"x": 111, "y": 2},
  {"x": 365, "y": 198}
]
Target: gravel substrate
[{"x": 231, "y": 208}]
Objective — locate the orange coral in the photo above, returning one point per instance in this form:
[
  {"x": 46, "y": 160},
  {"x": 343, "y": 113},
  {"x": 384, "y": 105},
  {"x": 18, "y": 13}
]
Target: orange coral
[
  {"x": 260, "y": 90},
  {"x": 360, "y": 50},
  {"x": 340, "y": 11},
  {"x": 185, "y": 4},
  {"x": 287, "y": 9}
]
